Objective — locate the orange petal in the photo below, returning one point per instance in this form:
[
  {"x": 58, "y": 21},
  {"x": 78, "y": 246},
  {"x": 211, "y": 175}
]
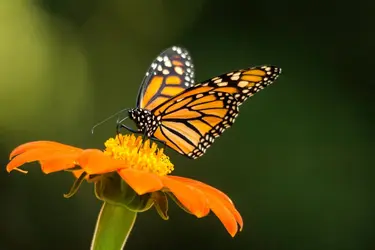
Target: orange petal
[
  {"x": 62, "y": 160},
  {"x": 94, "y": 161},
  {"x": 58, "y": 162},
  {"x": 223, "y": 213},
  {"x": 192, "y": 198},
  {"x": 141, "y": 181},
  {"x": 215, "y": 196},
  {"x": 41, "y": 145},
  {"x": 44, "y": 151}
]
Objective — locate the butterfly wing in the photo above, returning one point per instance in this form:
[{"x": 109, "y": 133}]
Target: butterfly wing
[
  {"x": 169, "y": 74},
  {"x": 192, "y": 120}
]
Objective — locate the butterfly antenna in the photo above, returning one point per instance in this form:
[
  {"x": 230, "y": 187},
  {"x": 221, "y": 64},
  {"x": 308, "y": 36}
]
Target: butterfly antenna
[
  {"x": 122, "y": 120},
  {"x": 108, "y": 118}
]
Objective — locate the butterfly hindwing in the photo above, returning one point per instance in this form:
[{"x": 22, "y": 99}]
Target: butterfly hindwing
[
  {"x": 192, "y": 123},
  {"x": 169, "y": 74},
  {"x": 192, "y": 120}
]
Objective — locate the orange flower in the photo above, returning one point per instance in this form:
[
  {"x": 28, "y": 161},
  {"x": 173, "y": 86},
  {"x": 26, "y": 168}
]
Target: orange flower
[{"x": 143, "y": 166}]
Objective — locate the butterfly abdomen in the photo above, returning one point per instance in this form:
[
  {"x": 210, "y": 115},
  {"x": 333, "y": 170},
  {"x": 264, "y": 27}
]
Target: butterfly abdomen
[{"x": 145, "y": 120}]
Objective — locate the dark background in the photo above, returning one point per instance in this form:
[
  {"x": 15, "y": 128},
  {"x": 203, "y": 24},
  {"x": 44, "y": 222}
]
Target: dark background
[{"x": 298, "y": 163}]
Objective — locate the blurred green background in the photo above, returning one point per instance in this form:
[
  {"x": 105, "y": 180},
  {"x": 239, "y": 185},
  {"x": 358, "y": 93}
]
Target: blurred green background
[{"x": 298, "y": 163}]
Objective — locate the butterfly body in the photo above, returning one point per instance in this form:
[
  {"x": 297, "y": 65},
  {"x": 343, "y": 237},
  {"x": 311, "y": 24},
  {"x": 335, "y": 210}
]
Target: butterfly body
[
  {"x": 146, "y": 122},
  {"x": 188, "y": 117}
]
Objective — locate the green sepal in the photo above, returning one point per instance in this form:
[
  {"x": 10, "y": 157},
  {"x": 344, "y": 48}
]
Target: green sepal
[
  {"x": 113, "y": 189},
  {"x": 161, "y": 204},
  {"x": 74, "y": 168},
  {"x": 174, "y": 198},
  {"x": 77, "y": 183}
]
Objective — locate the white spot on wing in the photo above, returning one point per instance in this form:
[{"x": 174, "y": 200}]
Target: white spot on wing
[
  {"x": 168, "y": 63},
  {"x": 242, "y": 84},
  {"x": 179, "y": 70},
  {"x": 222, "y": 84}
]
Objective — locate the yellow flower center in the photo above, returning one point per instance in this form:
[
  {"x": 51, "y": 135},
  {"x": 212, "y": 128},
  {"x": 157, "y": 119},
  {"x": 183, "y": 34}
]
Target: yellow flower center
[{"x": 139, "y": 155}]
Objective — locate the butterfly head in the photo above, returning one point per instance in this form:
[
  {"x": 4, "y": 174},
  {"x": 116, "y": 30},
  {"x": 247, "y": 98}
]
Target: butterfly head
[{"x": 145, "y": 120}]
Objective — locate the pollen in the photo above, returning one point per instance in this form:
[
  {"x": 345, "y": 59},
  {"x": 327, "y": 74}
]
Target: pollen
[{"x": 139, "y": 154}]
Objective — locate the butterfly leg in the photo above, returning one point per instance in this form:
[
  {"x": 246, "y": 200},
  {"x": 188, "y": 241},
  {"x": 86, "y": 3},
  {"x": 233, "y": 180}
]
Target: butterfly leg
[
  {"x": 162, "y": 142},
  {"x": 120, "y": 125},
  {"x": 144, "y": 135}
]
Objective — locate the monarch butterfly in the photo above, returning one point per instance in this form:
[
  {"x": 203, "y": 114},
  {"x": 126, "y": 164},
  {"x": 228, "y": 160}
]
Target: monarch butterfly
[{"x": 188, "y": 117}]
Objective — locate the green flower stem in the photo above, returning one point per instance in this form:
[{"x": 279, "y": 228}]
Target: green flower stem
[{"x": 113, "y": 227}]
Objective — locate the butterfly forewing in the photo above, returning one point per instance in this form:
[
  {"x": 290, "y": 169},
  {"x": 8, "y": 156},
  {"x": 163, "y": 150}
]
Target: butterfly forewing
[
  {"x": 191, "y": 120},
  {"x": 245, "y": 83},
  {"x": 241, "y": 84},
  {"x": 169, "y": 74}
]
